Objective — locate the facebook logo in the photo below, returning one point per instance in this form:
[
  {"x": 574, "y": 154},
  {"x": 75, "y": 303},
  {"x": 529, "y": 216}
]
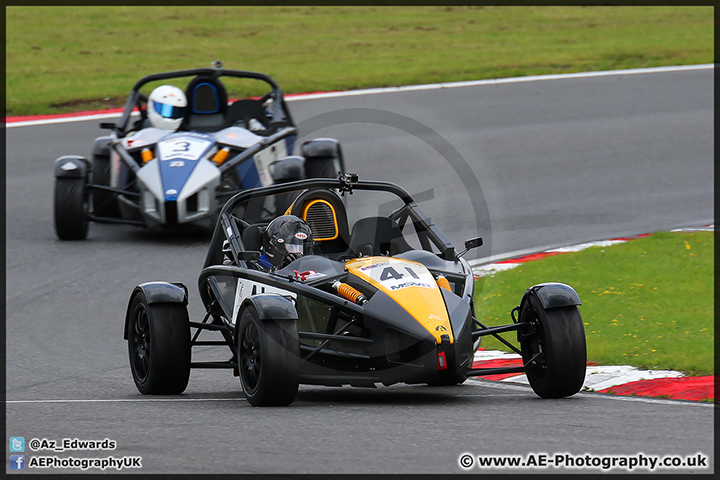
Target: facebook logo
[
  {"x": 17, "y": 462},
  {"x": 17, "y": 444}
]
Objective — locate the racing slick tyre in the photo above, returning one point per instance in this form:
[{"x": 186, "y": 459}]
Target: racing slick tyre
[
  {"x": 159, "y": 346},
  {"x": 71, "y": 208},
  {"x": 457, "y": 379},
  {"x": 323, "y": 158},
  {"x": 558, "y": 345},
  {"x": 104, "y": 204},
  {"x": 268, "y": 359}
]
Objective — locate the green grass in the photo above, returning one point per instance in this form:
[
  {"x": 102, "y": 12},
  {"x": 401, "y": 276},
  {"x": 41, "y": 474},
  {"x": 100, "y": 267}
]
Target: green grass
[
  {"x": 61, "y": 59},
  {"x": 647, "y": 303}
]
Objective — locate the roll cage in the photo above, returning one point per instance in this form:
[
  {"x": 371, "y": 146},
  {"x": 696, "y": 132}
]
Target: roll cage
[
  {"x": 280, "y": 114},
  {"x": 230, "y": 226}
]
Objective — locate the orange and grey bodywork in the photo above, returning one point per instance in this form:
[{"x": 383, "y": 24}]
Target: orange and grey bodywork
[{"x": 411, "y": 285}]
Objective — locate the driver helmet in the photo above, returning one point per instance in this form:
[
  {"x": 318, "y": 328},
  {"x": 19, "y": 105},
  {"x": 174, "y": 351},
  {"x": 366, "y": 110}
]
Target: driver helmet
[
  {"x": 286, "y": 238},
  {"x": 166, "y": 107}
]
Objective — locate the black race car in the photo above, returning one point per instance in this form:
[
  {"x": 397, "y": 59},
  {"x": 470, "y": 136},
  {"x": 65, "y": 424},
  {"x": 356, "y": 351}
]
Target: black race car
[{"x": 389, "y": 300}]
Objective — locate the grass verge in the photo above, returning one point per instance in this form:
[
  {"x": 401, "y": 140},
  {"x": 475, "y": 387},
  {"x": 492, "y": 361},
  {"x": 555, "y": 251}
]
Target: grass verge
[
  {"x": 70, "y": 58},
  {"x": 646, "y": 303}
]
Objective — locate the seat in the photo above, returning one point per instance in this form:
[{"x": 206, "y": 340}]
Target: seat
[
  {"x": 242, "y": 111},
  {"x": 377, "y": 236},
  {"x": 325, "y": 212},
  {"x": 207, "y": 104},
  {"x": 252, "y": 237}
]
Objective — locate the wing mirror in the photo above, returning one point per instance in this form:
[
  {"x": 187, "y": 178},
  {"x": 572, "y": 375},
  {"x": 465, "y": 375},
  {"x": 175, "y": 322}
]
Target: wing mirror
[
  {"x": 470, "y": 244},
  {"x": 242, "y": 255},
  {"x": 249, "y": 255}
]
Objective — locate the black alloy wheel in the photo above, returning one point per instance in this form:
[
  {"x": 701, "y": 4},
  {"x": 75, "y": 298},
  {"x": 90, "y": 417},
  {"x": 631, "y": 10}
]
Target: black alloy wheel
[
  {"x": 268, "y": 353},
  {"x": 555, "y": 350}
]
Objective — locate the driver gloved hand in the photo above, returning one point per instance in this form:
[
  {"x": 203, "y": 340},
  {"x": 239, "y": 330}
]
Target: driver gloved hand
[{"x": 289, "y": 258}]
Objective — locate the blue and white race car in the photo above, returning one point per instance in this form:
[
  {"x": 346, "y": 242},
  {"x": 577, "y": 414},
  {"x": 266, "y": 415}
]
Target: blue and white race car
[{"x": 176, "y": 155}]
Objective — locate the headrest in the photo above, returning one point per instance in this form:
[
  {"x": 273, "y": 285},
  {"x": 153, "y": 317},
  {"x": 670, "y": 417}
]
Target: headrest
[
  {"x": 206, "y": 95},
  {"x": 252, "y": 237}
]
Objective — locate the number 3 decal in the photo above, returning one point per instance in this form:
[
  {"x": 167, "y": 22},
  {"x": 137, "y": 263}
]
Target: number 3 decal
[
  {"x": 185, "y": 148},
  {"x": 181, "y": 147}
]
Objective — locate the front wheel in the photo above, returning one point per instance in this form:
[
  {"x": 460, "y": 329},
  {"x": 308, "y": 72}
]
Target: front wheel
[
  {"x": 456, "y": 379},
  {"x": 159, "y": 346},
  {"x": 71, "y": 208},
  {"x": 104, "y": 203},
  {"x": 268, "y": 359},
  {"x": 554, "y": 348}
]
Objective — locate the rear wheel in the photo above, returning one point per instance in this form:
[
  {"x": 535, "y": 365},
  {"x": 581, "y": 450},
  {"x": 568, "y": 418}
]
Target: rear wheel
[
  {"x": 104, "y": 203},
  {"x": 323, "y": 158},
  {"x": 556, "y": 349},
  {"x": 268, "y": 359},
  {"x": 159, "y": 346},
  {"x": 71, "y": 208}
]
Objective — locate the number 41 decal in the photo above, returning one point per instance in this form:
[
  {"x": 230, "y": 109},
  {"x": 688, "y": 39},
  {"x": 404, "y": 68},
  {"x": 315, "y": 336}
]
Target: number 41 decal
[{"x": 390, "y": 272}]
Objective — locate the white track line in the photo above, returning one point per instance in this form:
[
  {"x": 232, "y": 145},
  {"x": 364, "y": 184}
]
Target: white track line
[
  {"x": 120, "y": 400},
  {"x": 624, "y": 398},
  {"x": 505, "y": 386},
  {"x": 49, "y": 121},
  {"x": 709, "y": 228},
  {"x": 412, "y": 88},
  {"x": 501, "y": 81}
]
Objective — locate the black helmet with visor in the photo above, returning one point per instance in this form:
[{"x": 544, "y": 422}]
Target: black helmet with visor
[{"x": 287, "y": 238}]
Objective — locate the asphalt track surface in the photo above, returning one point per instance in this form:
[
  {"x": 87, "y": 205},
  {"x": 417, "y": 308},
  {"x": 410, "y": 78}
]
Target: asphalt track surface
[{"x": 558, "y": 162}]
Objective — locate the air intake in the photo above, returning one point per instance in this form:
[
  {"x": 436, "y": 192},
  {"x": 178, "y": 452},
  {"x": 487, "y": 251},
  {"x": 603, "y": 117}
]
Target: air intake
[{"x": 320, "y": 215}]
